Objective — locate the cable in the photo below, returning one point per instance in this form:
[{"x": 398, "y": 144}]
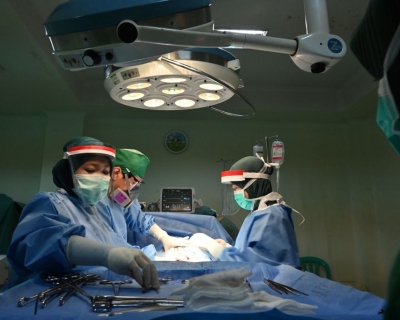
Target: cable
[{"x": 182, "y": 65}]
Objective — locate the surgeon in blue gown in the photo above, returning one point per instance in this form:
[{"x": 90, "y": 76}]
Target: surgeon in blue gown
[
  {"x": 267, "y": 233},
  {"x": 60, "y": 230},
  {"x": 121, "y": 208}
]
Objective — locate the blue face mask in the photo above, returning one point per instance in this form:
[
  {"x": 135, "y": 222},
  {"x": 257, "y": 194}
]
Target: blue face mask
[
  {"x": 91, "y": 188},
  {"x": 242, "y": 201}
]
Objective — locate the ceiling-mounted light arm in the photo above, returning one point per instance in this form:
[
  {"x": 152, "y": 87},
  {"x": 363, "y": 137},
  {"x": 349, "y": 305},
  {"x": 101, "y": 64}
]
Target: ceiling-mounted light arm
[
  {"x": 316, "y": 52},
  {"x": 316, "y": 14},
  {"x": 182, "y": 65},
  {"x": 129, "y": 32}
]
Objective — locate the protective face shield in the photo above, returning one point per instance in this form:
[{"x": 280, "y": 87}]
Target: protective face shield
[
  {"x": 388, "y": 117},
  {"x": 126, "y": 199},
  {"x": 232, "y": 176},
  {"x": 90, "y": 188}
]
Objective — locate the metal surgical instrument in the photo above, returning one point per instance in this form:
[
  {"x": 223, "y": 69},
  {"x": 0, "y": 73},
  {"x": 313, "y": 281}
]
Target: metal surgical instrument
[
  {"x": 106, "y": 303},
  {"x": 281, "y": 288},
  {"x": 142, "y": 309},
  {"x": 115, "y": 284}
]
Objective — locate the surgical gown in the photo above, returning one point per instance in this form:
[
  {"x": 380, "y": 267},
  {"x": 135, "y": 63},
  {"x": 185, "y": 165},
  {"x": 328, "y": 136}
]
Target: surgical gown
[
  {"x": 121, "y": 219},
  {"x": 40, "y": 240},
  {"x": 267, "y": 235}
]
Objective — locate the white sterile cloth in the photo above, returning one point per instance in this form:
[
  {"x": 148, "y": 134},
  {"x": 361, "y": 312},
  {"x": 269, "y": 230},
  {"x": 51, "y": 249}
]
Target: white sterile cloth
[
  {"x": 189, "y": 254},
  {"x": 265, "y": 301},
  {"x": 226, "y": 290}
]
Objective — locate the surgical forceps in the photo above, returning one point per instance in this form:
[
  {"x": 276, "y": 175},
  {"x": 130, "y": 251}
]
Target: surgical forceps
[
  {"x": 106, "y": 303},
  {"x": 115, "y": 284},
  {"x": 87, "y": 279},
  {"x": 60, "y": 285},
  {"x": 281, "y": 288},
  {"x": 141, "y": 309}
]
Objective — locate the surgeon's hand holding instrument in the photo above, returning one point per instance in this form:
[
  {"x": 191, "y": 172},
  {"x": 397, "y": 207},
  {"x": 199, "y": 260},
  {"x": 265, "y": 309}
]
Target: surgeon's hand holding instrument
[{"x": 125, "y": 261}]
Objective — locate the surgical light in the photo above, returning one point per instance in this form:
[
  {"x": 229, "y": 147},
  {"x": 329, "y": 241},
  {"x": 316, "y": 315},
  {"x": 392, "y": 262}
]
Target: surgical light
[
  {"x": 133, "y": 96},
  {"x": 208, "y": 96},
  {"x": 173, "y": 80},
  {"x": 211, "y": 86},
  {"x": 154, "y": 103},
  {"x": 185, "y": 103},
  {"x": 173, "y": 90},
  {"x": 140, "y": 85},
  {"x": 155, "y": 42},
  {"x": 177, "y": 80}
]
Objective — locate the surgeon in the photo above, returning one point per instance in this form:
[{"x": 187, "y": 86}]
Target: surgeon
[
  {"x": 267, "y": 233},
  {"x": 121, "y": 208},
  {"x": 61, "y": 230}
]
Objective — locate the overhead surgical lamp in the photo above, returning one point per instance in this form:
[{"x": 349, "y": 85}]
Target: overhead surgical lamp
[{"x": 165, "y": 54}]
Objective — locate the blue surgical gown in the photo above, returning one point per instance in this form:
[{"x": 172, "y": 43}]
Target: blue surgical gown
[
  {"x": 40, "y": 240},
  {"x": 121, "y": 220},
  {"x": 267, "y": 235}
]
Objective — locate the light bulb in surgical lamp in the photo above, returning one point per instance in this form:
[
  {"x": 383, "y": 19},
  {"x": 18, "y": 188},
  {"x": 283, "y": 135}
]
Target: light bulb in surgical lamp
[
  {"x": 185, "y": 103},
  {"x": 209, "y": 96},
  {"x": 173, "y": 80},
  {"x": 211, "y": 86},
  {"x": 140, "y": 85},
  {"x": 173, "y": 90},
  {"x": 132, "y": 96},
  {"x": 154, "y": 103}
]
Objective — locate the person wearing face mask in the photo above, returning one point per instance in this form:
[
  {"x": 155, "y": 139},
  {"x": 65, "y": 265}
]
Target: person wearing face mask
[
  {"x": 60, "y": 231},
  {"x": 267, "y": 233},
  {"x": 121, "y": 209}
]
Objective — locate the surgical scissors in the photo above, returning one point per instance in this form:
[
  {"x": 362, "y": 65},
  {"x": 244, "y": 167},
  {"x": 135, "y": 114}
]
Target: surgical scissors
[
  {"x": 282, "y": 288},
  {"x": 115, "y": 284}
]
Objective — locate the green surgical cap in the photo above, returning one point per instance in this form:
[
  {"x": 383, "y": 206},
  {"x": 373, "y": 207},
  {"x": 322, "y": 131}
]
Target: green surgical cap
[
  {"x": 133, "y": 160},
  {"x": 206, "y": 211}
]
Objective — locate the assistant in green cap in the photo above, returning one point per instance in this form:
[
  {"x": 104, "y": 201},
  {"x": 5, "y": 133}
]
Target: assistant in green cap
[{"x": 133, "y": 160}]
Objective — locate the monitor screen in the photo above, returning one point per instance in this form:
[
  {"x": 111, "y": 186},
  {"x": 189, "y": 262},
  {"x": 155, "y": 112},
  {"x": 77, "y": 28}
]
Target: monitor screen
[{"x": 177, "y": 200}]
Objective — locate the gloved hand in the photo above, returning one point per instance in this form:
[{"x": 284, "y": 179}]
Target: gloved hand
[
  {"x": 167, "y": 241},
  {"x": 211, "y": 245},
  {"x": 128, "y": 261},
  {"x": 132, "y": 262}
]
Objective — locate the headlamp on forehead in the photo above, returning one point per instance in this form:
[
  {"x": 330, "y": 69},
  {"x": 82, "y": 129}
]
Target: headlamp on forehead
[{"x": 240, "y": 175}]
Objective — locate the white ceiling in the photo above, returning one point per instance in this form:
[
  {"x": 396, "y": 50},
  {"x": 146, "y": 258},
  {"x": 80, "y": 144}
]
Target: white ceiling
[{"x": 31, "y": 80}]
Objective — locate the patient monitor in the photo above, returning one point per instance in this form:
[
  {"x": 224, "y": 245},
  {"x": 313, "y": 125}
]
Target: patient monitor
[{"x": 178, "y": 200}]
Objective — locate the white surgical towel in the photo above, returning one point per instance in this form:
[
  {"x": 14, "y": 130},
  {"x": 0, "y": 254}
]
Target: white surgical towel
[{"x": 226, "y": 290}]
